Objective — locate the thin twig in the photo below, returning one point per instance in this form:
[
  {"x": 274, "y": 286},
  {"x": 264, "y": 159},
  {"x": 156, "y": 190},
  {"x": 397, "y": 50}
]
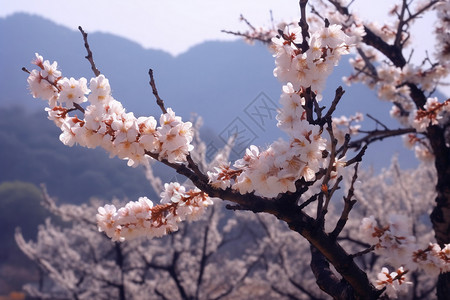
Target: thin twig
[
  {"x": 377, "y": 121},
  {"x": 307, "y": 202},
  {"x": 352, "y": 240},
  {"x": 79, "y": 107},
  {"x": 373, "y": 71},
  {"x": 361, "y": 253},
  {"x": 401, "y": 23},
  {"x": 330, "y": 193},
  {"x": 343, "y": 149},
  {"x": 159, "y": 101},
  {"x": 235, "y": 207},
  {"x": 321, "y": 207},
  {"x": 89, "y": 57},
  {"x": 348, "y": 205},
  {"x": 422, "y": 10},
  {"x": 378, "y": 135},
  {"x": 358, "y": 156},
  {"x": 337, "y": 97},
  {"x": 248, "y": 23},
  {"x": 261, "y": 38}
]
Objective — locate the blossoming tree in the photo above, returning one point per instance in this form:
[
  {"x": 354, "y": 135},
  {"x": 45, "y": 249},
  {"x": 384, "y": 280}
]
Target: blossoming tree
[
  {"x": 294, "y": 179},
  {"x": 78, "y": 262},
  {"x": 258, "y": 256}
]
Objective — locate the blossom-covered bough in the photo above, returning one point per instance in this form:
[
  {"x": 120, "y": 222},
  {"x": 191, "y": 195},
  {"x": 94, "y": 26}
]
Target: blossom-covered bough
[
  {"x": 383, "y": 62},
  {"x": 293, "y": 179}
]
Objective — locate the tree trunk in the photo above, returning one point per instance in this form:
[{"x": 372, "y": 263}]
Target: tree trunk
[{"x": 440, "y": 217}]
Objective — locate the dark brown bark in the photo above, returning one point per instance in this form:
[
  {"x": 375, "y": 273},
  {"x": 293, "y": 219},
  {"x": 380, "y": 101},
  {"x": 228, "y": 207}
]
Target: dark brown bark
[
  {"x": 326, "y": 279},
  {"x": 440, "y": 217},
  {"x": 392, "y": 52},
  {"x": 358, "y": 283}
]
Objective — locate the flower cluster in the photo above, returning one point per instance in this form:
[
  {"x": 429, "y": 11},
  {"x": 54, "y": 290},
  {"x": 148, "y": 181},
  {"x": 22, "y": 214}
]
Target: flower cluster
[
  {"x": 399, "y": 247},
  {"x": 310, "y": 68},
  {"x": 106, "y": 123},
  {"x": 433, "y": 259},
  {"x": 421, "y": 146},
  {"x": 432, "y": 113},
  {"x": 392, "y": 83},
  {"x": 276, "y": 169},
  {"x": 394, "y": 282},
  {"x": 142, "y": 219}
]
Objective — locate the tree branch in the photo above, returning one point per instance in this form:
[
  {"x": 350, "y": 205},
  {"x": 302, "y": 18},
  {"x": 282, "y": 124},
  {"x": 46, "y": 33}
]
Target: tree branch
[
  {"x": 89, "y": 56},
  {"x": 159, "y": 101},
  {"x": 326, "y": 279},
  {"x": 348, "y": 205},
  {"x": 378, "y": 135},
  {"x": 304, "y": 26}
]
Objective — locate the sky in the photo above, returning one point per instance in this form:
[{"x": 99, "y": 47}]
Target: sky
[
  {"x": 175, "y": 25},
  {"x": 171, "y": 25}
]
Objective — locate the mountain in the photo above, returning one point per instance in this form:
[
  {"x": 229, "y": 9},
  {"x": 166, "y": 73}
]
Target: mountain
[{"x": 229, "y": 84}]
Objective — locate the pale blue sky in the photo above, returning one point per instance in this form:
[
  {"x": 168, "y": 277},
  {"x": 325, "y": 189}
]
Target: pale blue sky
[{"x": 172, "y": 25}]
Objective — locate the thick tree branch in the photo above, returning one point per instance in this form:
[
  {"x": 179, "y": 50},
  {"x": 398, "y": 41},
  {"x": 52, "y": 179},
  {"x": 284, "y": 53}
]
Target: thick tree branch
[
  {"x": 304, "y": 26},
  {"x": 326, "y": 279}
]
